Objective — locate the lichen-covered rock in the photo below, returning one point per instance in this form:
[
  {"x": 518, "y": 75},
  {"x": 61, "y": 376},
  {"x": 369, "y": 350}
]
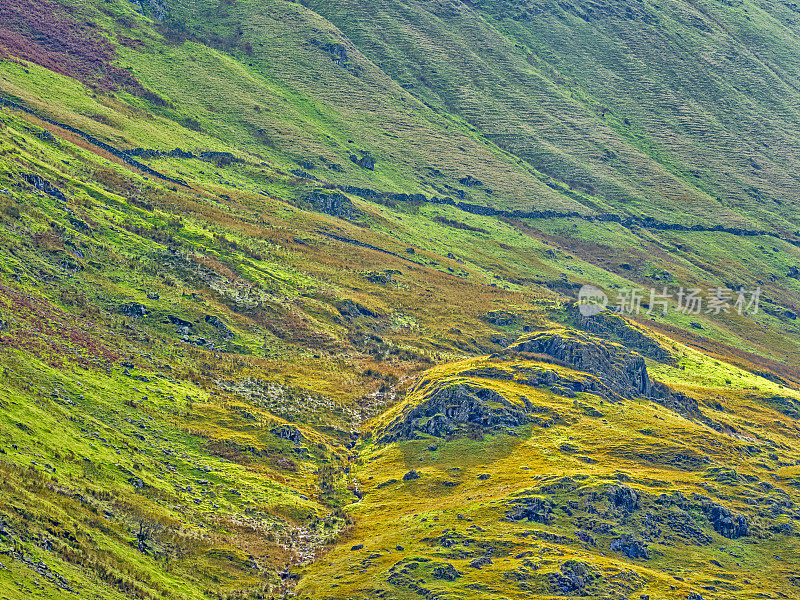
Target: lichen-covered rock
[
  {"x": 623, "y": 497},
  {"x": 446, "y": 408},
  {"x": 531, "y": 509},
  {"x": 446, "y": 571},
  {"x": 621, "y": 370},
  {"x": 630, "y": 547},
  {"x": 574, "y": 578}
]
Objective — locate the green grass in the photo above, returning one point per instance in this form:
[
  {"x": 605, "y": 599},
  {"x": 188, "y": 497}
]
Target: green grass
[{"x": 331, "y": 328}]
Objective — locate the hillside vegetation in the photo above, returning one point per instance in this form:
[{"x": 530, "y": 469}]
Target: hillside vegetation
[{"x": 287, "y": 299}]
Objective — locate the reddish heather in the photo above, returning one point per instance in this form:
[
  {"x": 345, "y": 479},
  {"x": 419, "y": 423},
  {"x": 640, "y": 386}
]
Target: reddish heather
[
  {"x": 49, "y": 34},
  {"x": 51, "y": 334}
]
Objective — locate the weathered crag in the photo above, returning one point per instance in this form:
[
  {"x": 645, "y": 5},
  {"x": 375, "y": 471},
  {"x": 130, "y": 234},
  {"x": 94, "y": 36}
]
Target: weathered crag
[
  {"x": 611, "y": 326},
  {"x": 446, "y": 408},
  {"x": 622, "y": 370},
  {"x": 594, "y": 365},
  {"x": 625, "y": 519},
  {"x": 334, "y": 204}
]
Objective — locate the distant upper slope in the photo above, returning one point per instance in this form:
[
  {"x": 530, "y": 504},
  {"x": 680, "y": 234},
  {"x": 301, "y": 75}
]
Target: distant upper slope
[
  {"x": 682, "y": 110},
  {"x": 684, "y": 113}
]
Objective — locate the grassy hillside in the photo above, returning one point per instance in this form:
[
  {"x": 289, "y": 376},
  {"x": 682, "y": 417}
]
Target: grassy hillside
[
  {"x": 683, "y": 110},
  {"x": 286, "y": 300}
]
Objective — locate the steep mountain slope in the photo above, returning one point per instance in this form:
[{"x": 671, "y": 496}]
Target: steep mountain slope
[
  {"x": 287, "y": 299},
  {"x": 685, "y": 108}
]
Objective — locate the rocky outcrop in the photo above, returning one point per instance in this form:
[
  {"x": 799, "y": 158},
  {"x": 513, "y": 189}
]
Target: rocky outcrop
[
  {"x": 411, "y": 475},
  {"x": 573, "y": 579},
  {"x": 444, "y": 409},
  {"x": 334, "y": 204},
  {"x": 221, "y": 159},
  {"x": 621, "y": 370},
  {"x": 470, "y": 181},
  {"x": 570, "y": 387},
  {"x": 365, "y": 162},
  {"x": 611, "y": 326},
  {"x": 353, "y": 310},
  {"x": 623, "y": 497},
  {"x": 724, "y": 521},
  {"x": 288, "y": 432},
  {"x": 630, "y": 547},
  {"x": 479, "y": 562},
  {"x": 220, "y": 326},
  {"x": 531, "y": 509},
  {"x": 40, "y": 183},
  {"x": 501, "y": 318},
  {"x": 445, "y": 571},
  {"x": 338, "y": 52},
  {"x": 182, "y": 326},
  {"x": 133, "y": 309}
]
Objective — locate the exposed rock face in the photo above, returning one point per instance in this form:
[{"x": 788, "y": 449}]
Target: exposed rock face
[
  {"x": 42, "y": 184},
  {"x": 182, "y": 327},
  {"x": 446, "y": 571},
  {"x": 470, "y": 181},
  {"x": 623, "y": 497},
  {"x": 479, "y": 562},
  {"x": 445, "y": 408},
  {"x": 574, "y": 578},
  {"x": 623, "y": 371},
  {"x": 338, "y": 52},
  {"x": 365, "y": 162},
  {"x": 725, "y": 522},
  {"x": 411, "y": 475},
  {"x": 612, "y": 371},
  {"x": 221, "y": 159},
  {"x": 630, "y": 547},
  {"x": 349, "y": 308},
  {"x": 220, "y": 325},
  {"x": 549, "y": 378},
  {"x": 501, "y": 318},
  {"x": 179, "y": 322},
  {"x": 609, "y": 325},
  {"x": 334, "y": 204},
  {"x": 288, "y": 432},
  {"x": 532, "y": 509},
  {"x": 133, "y": 309}
]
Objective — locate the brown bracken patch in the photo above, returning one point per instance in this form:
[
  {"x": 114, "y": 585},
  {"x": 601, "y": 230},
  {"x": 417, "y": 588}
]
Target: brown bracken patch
[{"x": 52, "y": 35}]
